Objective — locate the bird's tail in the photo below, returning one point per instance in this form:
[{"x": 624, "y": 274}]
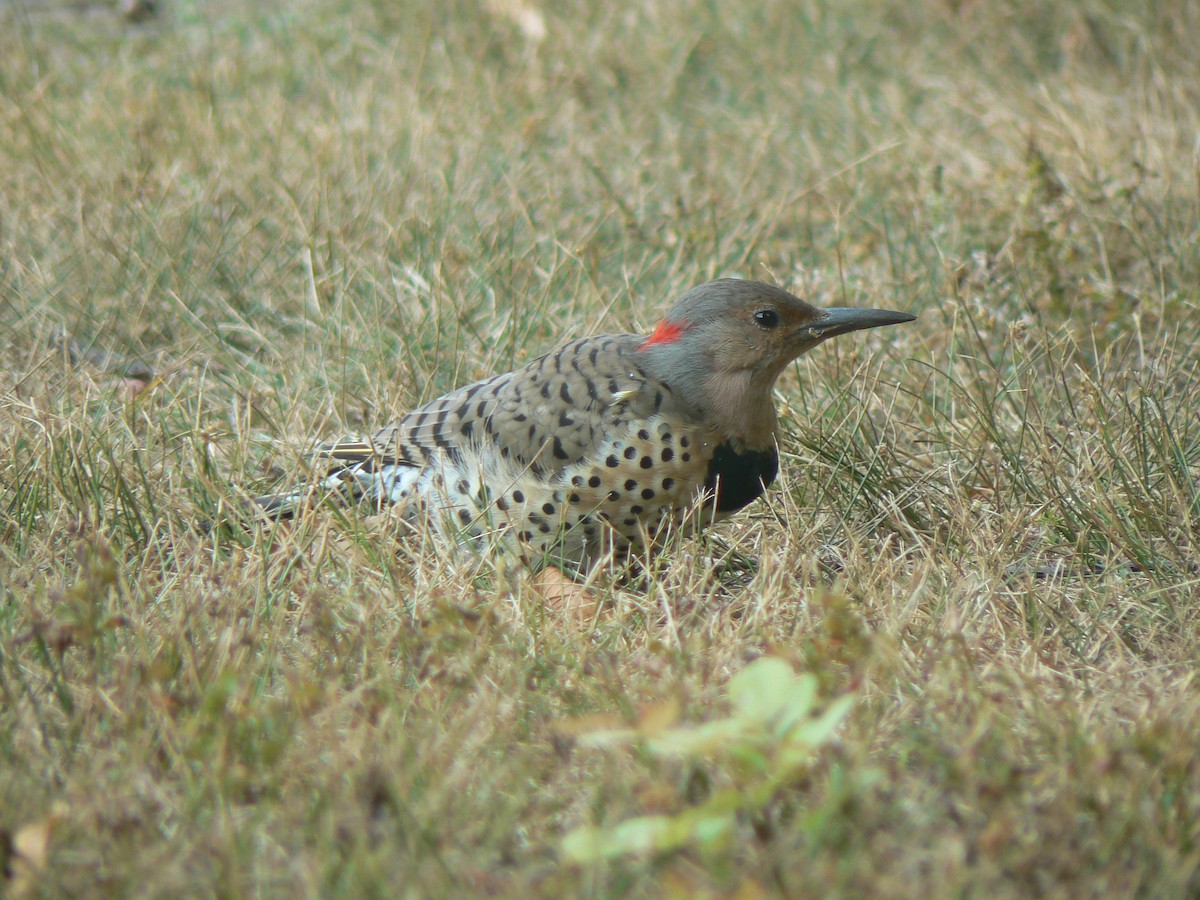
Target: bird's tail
[
  {"x": 338, "y": 486},
  {"x": 348, "y": 484},
  {"x": 280, "y": 507},
  {"x": 357, "y": 470}
]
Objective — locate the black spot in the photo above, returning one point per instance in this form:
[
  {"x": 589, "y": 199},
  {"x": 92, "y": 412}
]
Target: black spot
[
  {"x": 548, "y": 508},
  {"x": 647, "y": 462},
  {"x": 631, "y": 484},
  {"x": 525, "y": 536},
  {"x": 560, "y": 452},
  {"x": 577, "y": 481},
  {"x": 544, "y": 528},
  {"x": 668, "y": 483},
  {"x": 637, "y": 509},
  {"x": 466, "y": 428},
  {"x": 565, "y": 393},
  {"x": 464, "y": 516},
  {"x": 658, "y": 400},
  {"x": 614, "y": 496},
  {"x": 565, "y": 421},
  {"x": 502, "y": 504},
  {"x": 574, "y": 498},
  {"x": 644, "y": 435},
  {"x": 685, "y": 457},
  {"x": 546, "y": 390},
  {"x": 648, "y": 493},
  {"x": 630, "y": 452},
  {"x": 518, "y": 497},
  {"x": 520, "y": 417},
  {"x": 740, "y": 478},
  {"x": 589, "y": 530},
  {"x": 462, "y": 487},
  {"x": 594, "y": 481},
  {"x": 684, "y": 440},
  {"x": 612, "y": 462},
  {"x": 668, "y": 454},
  {"x": 630, "y": 522}
]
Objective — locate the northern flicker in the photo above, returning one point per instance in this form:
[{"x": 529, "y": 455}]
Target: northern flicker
[{"x": 608, "y": 442}]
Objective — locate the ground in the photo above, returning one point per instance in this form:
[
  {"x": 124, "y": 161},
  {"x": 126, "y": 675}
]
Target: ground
[{"x": 230, "y": 230}]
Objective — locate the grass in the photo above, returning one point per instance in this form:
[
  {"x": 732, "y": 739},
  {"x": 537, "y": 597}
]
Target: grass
[{"x": 308, "y": 218}]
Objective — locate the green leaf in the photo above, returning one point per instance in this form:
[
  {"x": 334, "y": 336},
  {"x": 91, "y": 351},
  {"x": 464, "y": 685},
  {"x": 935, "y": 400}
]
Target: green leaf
[
  {"x": 817, "y": 731},
  {"x": 607, "y": 737},
  {"x": 763, "y": 689},
  {"x": 711, "y": 829},
  {"x": 645, "y": 835},
  {"x": 702, "y": 739},
  {"x": 798, "y": 705}
]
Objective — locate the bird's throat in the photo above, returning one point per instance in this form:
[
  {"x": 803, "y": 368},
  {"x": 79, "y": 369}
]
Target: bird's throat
[{"x": 742, "y": 407}]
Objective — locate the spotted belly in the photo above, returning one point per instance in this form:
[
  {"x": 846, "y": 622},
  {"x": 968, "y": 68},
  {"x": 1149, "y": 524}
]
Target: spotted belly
[{"x": 646, "y": 478}]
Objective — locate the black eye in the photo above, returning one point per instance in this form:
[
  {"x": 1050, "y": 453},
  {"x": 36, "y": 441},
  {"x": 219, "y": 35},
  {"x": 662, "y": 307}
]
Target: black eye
[{"x": 767, "y": 318}]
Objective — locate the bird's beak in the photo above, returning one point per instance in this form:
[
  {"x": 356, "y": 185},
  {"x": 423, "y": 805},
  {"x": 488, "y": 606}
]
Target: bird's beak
[{"x": 844, "y": 319}]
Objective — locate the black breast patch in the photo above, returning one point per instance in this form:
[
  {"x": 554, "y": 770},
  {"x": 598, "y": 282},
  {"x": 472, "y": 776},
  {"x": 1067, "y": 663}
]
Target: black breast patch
[{"x": 740, "y": 478}]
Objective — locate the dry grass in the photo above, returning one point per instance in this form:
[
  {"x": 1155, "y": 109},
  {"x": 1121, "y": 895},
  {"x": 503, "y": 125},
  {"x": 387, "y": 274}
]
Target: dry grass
[{"x": 307, "y": 219}]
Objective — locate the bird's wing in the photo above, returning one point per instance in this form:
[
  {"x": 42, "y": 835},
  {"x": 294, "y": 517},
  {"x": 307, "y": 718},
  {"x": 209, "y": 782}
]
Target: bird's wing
[{"x": 548, "y": 414}]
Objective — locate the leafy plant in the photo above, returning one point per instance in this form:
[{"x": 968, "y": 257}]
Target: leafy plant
[{"x": 773, "y": 730}]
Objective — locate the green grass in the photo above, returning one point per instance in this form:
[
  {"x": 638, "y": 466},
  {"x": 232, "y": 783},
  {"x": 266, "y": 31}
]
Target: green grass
[{"x": 310, "y": 217}]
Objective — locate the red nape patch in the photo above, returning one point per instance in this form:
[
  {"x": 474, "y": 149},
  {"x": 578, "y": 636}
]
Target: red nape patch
[{"x": 666, "y": 333}]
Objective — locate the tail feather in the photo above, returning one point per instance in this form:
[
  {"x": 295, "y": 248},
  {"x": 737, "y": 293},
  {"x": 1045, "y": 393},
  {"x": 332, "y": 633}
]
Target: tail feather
[
  {"x": 280, "y": 507},
  {"x": 351, "y": 479}
]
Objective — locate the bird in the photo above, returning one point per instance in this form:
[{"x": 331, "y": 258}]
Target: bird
[{"x": 607, "y": 444}]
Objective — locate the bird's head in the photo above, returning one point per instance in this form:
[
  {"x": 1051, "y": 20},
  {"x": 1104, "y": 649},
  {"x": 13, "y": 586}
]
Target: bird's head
[{"x": 723, "y": 344}]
